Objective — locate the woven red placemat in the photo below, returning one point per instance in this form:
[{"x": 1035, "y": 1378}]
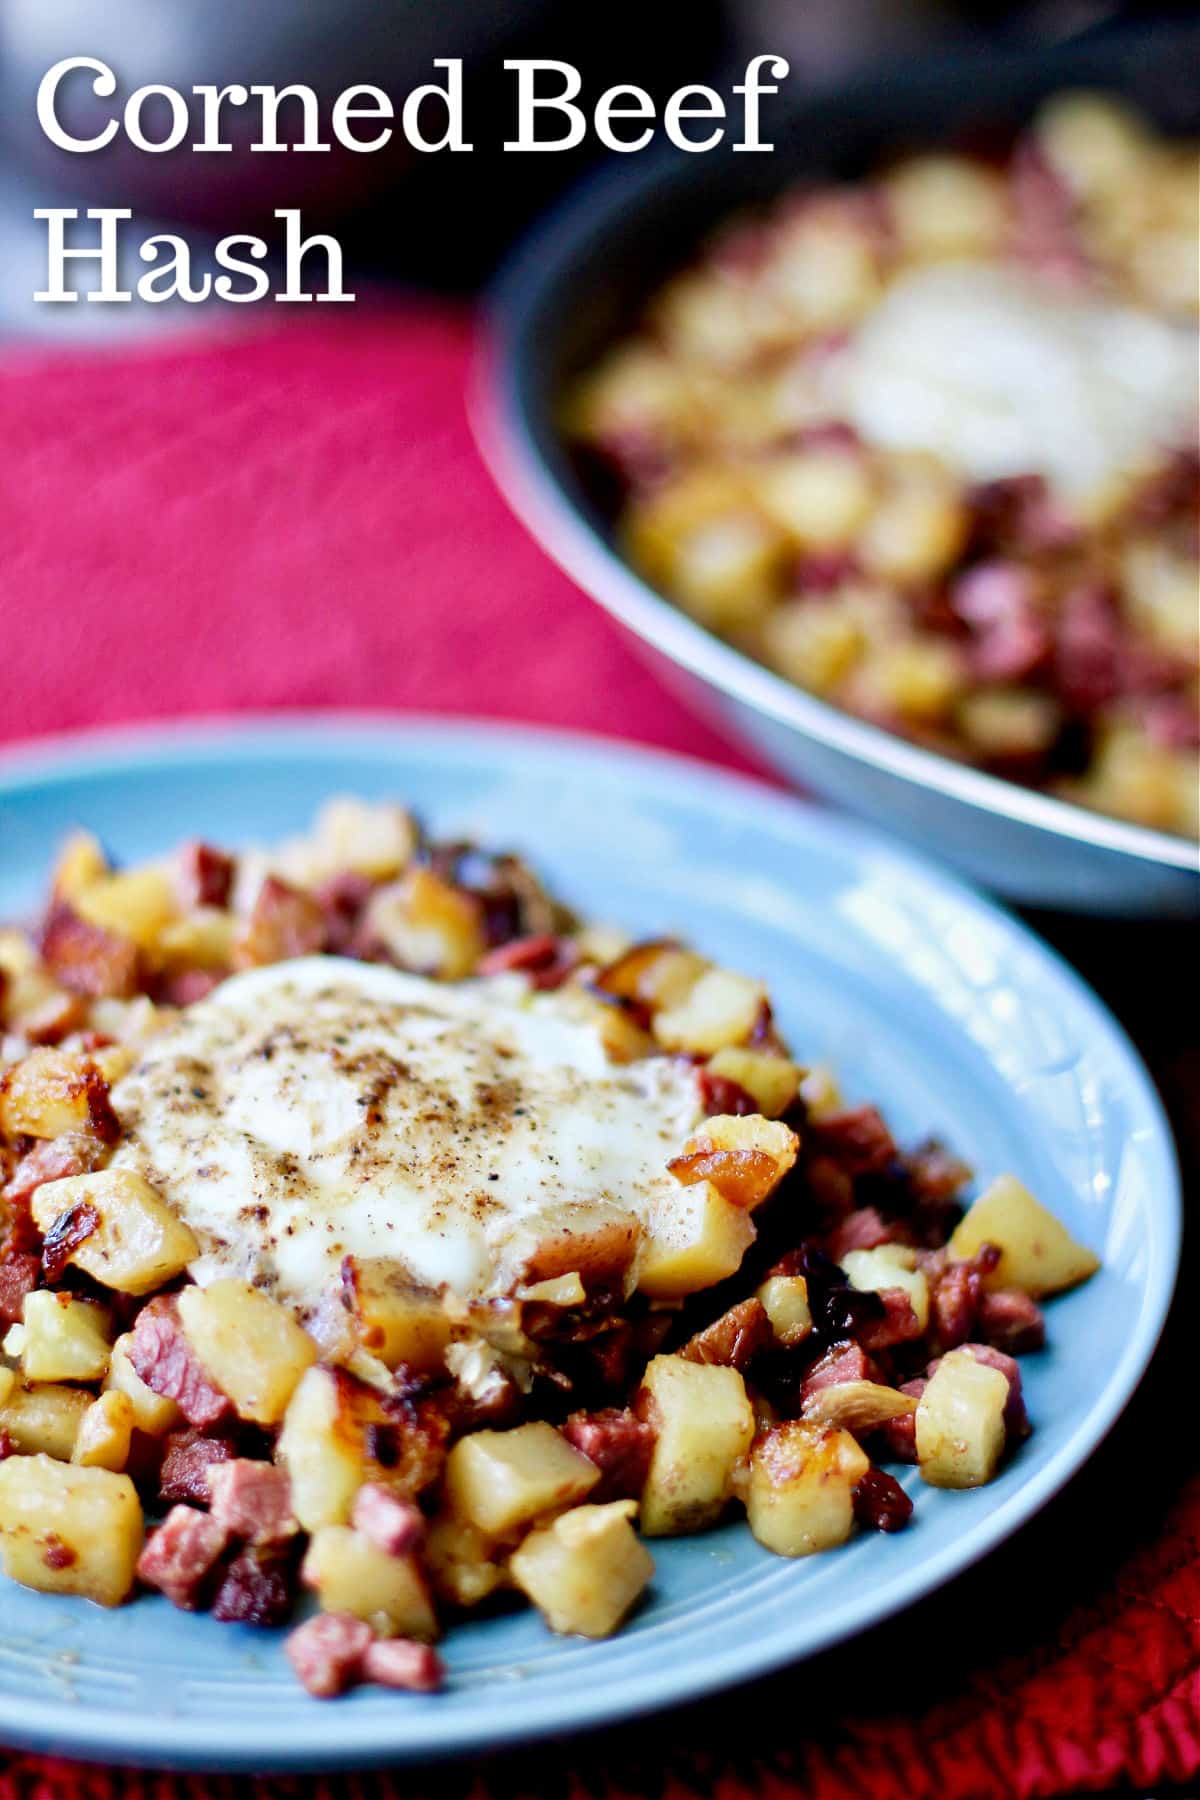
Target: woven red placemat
[{"x": 298, "y": 517}]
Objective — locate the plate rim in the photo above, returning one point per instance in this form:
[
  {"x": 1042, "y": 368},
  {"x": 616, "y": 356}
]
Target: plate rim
[{"x": 186, "y": 1742}]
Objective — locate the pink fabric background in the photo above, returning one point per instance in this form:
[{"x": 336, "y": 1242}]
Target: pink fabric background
[{"x": 298, "y": 518}]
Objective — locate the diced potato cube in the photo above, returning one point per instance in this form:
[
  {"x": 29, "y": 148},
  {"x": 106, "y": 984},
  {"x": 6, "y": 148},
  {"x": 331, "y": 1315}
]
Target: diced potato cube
[
  {"x": 822, "y": 1097},
  {"x": 426, "y": 924},
  {"x": 44, "y": 1419},
  {"x": 721, "y": 1009},
  {"x": 460, "y": 1560},
  {"x": 699, "y": 1240},
  {"x": 375, "y": 840},
  {"x": 250, "y": 1345},
  {"x": 704, "y": 1424},
  {"x": 772, "y": 1082},
  {"x": 153, "y": 1413},
  {"x": 398, "y": 1321},
  {"x": 1037, "y": 1252},
  {"x": 104, "y": 1433},
  {"x": 785, "y": 1302},
  {"x": 744, "y": 1157},
  {"x": 321, "y": 1455},
  {"x": 890, "y": 1266},
  {"x": 134, "y": 904},
  {"x": 815, "y": 643},
  {"x": 584, "y": 1571},
  {"x": 915, "y": 533},
  {"x": 137, "y": 1243},
  {"x": 81, "y": 862},
  {"x": 500, "y": 1481},
  {"x": 67, "y": 1530},
  {"x": 205, "y": 939},
  {"x": 63, "y": 1339},
  {"x": 946, "y": 206},
  {"x": 820, "y": 498},
  {"x": 594, "y": 1240},
  {"x": 656, "y": 974},
  {"x": 47, "y": 1093},
  {"x": 723, "y": 570},
  {"x": 960, "y": 1429},
  {"x": 800, "y": 1492},
  {"x": 351, "y": 1575},
  {"x": 858, "y": 1406}
]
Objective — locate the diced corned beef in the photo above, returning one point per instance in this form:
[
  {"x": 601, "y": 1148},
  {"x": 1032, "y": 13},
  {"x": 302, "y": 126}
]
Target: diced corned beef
[
  {"x": 258, "y": 1587},
  {"x": 1011, "y": 1321},
  {"x": 1045, "y": 234},
  {"x": 1016, "y": 1419},
  {"x": 845, "y": 1362},
  {"x": 734, "y": 1339},
  {"x": 162, "y": 1356},
  {"x": 719, "y": 1096},
  {"x": 900, "y": 1435},
  {"x": 1009, "y": 636},
  {"x": 75, "y": 1153},
  {"x": 342, "y": 899},
  {"x": 859, "y": 1141},
  {"x": 403, "y": 1663},
  {"x": 863, "y": 1229},
  {"x": 899, "y": 1324},
  {"x": 180, "y": 1555},
  {"x": 186, "y": 1462},
  {"x": 823, "y": 571},
  {"x": 620, "y": 1444},
  {"x": 253, "y": 1500},
  {"x": 1089, "y": 649},
  {"x": 86, "y": 958},
  {"x": 955, "y": 1291},
  {"x": 327, "y": 1652},
  {"x": 187, "y": 986},
  {"x": 1172, "y": 720},
  {"x": 205, "y": 876},
  {"x": 284, "y": 922},
  {"x": 935, "y": 1173},
  {"x": 393, "y": 1525},
  {"x": 546, "y": 959},
  {"x": 20, "y": 1273},
  {"x": 880, "y": 1501}
]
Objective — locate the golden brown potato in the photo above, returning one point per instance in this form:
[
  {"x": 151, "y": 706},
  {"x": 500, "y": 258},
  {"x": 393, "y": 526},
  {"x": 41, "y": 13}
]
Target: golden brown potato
[
  {"x": 134, "y": 904},
  {"x": 461, "y": 1561},
  {"x": 501, "y": 1481},
  {"x": 249, "y": 1344},
  {"x": 104, "y": 1433},
  {"x": 351, "y": 1575},
  {"x": 704, "y": 1426},
  {"x": 800, "y": 1490},
  {"x": 50, "y": 1092},
  {"x": 745, "y": 1158},
  {"x": 585, "y": 1569},
  {"x": 426, "y": 925},
  {"x": 397, "y": 1320},
  {"x": 67, "y": 1530},
  {"x": 44, "y": 1418},
  {"x": 134, "y": 1242},
  {"x": 960, "y": 1431},
  {"x": 785, "y": 1302},
  {"x": 61, "y": 1338},
  {"x": 721, "y": 1009},
  {"x": 338, "y": 1433},
  {"x": 699, "y": 1240},
  {"x": 772, "y": 1082},
  {"x": 1037, "y": 1252}
]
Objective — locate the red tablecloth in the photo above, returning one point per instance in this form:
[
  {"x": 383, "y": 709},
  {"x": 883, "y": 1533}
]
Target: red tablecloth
[{"x": 298, "y": 517}]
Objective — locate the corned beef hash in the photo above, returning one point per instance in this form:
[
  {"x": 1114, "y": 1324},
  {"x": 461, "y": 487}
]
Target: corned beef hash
[
  {"x": 374, "y": 1229},
  {"x": 925, "y": 444}
]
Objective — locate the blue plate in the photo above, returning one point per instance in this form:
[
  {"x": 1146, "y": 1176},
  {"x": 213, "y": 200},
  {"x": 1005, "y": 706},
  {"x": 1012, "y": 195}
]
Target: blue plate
[{"x": 927, "y": 999}]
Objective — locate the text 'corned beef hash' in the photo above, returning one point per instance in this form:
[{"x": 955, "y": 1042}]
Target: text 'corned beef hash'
[
  {"x": 374, "y": 1229},
  {"x": 925, "y": 445}
]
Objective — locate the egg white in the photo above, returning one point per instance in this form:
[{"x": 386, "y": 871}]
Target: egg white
[{"x": 322, "y": 1108}]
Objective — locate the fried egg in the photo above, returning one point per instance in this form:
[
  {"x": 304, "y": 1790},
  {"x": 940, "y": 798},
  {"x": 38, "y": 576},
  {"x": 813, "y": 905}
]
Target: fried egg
[{"x": 324, "y": 1108}]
